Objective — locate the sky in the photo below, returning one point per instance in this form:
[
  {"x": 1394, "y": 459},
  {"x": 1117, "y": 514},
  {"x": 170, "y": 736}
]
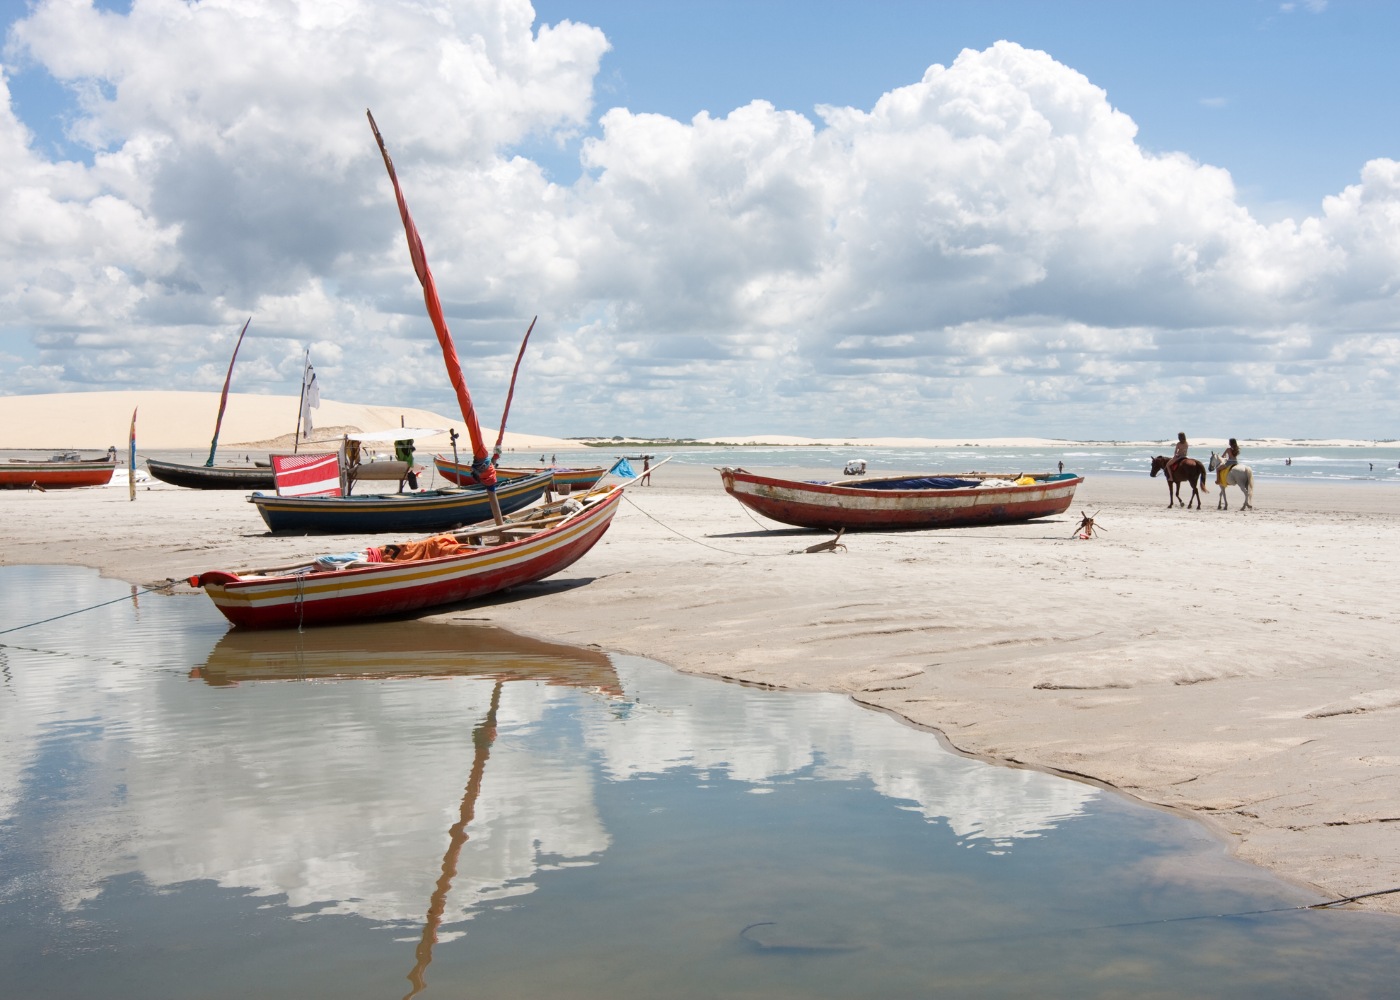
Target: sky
[{"x": 1082, "y": 220}]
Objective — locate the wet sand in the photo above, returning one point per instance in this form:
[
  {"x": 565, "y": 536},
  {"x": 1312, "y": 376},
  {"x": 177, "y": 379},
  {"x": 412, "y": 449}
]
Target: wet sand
[{"x": 1234, "y": 665}]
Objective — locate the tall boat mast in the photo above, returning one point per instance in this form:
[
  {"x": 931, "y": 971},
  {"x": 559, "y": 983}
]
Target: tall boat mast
[
  {"x": 482, "y": 469},
  {"x": 223, "y": 399}
]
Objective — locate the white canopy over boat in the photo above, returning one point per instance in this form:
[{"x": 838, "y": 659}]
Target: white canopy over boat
[{"x": 393, "y": 434}]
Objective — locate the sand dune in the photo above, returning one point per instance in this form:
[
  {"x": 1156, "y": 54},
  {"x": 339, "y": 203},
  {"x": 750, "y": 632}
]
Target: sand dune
[{"x": 177, "y": 420}]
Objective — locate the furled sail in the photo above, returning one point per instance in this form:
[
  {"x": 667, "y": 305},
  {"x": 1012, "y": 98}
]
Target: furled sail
[{"x": 223, "y": 398}]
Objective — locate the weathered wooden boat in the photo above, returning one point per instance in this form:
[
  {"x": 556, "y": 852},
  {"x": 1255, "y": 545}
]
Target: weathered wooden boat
[
  {"x": 933, "y": 501},
  {"x": 574, "y": 479},
  {"x": 213, "y": 477},
  {"x": 492, "y": 558},
  {"x": 426, "y": 510},
  {"x": 60, "y": 472}
]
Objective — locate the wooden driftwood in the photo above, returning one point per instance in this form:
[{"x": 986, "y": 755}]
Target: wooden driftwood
[
  {"x": 830, "y": 545},
  {"x": 1087, "y": 527}
]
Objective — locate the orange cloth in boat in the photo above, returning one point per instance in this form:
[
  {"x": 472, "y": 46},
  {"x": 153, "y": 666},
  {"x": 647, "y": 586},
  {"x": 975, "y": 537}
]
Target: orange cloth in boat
[{"x": 428, "y": 548}]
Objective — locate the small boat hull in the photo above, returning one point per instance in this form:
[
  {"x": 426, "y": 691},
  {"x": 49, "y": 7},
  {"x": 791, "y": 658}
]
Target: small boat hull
[
  {"x": 332, "y": 596},
  {"x": 853, "y": 507},
  {"x": 575, "y": 479},
  {"x": 435, "y": 510},
  {"x": 51, "y": 475},
  {"x": 215, "y": 477}
]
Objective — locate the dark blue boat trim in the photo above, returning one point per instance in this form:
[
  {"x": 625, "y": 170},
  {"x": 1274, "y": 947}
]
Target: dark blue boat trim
[{"x": 436, "y": 510}]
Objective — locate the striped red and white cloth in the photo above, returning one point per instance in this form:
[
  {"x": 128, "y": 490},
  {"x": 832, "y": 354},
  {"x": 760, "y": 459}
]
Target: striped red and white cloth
[{"x": 307, "y": 474}]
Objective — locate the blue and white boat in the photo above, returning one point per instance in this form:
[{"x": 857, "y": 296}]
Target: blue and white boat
[{"x": 428, "y": 510}]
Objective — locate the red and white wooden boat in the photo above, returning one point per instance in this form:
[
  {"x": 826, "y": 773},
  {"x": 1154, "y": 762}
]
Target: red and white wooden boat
[
  {"x": 57, "y": 473},
  {"x": 872, "y": 504},
  {"x": 538, "y": 543}
]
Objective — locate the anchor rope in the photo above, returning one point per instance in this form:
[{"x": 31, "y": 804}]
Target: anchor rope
[
  {"x": 681, "y": 534},
  {"x": 66, "y": 614}
]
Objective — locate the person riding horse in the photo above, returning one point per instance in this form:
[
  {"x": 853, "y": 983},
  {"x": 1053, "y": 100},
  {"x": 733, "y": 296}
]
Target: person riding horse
[
  {"x": 1230, "y": 457},
  {"x": 1229, "y": 472},
  {"x": 1178, "y": 454}
]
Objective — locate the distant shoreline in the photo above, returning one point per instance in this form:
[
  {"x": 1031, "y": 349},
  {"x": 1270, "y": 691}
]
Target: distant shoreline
[
  {"x": 787, "y": 442},
  {"x": 184, "y": 420}
]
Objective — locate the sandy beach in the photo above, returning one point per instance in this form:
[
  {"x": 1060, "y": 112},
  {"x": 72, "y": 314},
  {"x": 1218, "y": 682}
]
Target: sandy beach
[{"x": 1234, "y": 666}]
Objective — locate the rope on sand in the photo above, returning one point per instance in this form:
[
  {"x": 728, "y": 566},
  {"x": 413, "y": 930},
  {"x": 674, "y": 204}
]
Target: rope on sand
[{"x": 728, "y": 552}]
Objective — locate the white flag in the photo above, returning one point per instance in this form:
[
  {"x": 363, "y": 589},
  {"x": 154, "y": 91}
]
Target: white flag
[{"x": 310, "y": 398}]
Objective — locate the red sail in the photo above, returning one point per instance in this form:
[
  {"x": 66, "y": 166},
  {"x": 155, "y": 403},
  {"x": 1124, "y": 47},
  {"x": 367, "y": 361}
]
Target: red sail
[
  {"x": 223, "y": 399},
  {"x": 481, "y": 466}
]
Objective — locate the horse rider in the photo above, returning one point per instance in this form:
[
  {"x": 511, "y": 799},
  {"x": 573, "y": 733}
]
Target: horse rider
[
  {"x": 1230, "y": 457},
  {"x": 1178, "y": 454}
]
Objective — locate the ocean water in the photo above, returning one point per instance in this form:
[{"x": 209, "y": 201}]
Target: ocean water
[
  {"x": 406, "y": 809},
  {"x": 1379, "y": 464},
  {"x": 1373, "y": 464}
]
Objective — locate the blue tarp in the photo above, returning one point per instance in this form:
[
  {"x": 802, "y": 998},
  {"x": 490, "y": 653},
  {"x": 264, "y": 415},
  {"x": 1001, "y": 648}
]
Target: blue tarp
[
  {"x": 622, "y": 468},
  {"x": 919, "y": 483}
]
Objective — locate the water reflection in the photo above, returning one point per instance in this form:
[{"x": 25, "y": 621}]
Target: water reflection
[
  {"x": 386, "y": 789},
  {"x": 399, "y": 650}
]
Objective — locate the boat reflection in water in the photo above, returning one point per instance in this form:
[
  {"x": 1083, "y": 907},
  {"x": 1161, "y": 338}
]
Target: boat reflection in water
[
  {"x": 396, "y": 650},
  {"x": 382, "y": 651}
]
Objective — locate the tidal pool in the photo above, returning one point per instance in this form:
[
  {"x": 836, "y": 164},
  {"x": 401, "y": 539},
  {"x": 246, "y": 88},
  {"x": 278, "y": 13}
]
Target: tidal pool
[{"x": 405, "y": 809}]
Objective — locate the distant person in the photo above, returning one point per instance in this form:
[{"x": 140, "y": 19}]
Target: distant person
[
  {"x": 646, "y": 470},
  {"x": 1373, "y": 466},
  {"x": 1062, "y": 466}
]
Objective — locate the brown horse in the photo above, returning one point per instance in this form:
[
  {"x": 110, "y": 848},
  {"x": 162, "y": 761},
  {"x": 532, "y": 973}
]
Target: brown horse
[{"x": 1189, "y": 471}]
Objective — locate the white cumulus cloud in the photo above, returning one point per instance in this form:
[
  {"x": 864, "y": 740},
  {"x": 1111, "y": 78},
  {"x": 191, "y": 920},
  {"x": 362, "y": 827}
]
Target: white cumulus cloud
[{"x": 986, "y": 249}]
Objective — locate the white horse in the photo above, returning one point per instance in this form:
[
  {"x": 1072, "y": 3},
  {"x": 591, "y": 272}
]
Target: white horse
[{"x": 1237, "y": 475}]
